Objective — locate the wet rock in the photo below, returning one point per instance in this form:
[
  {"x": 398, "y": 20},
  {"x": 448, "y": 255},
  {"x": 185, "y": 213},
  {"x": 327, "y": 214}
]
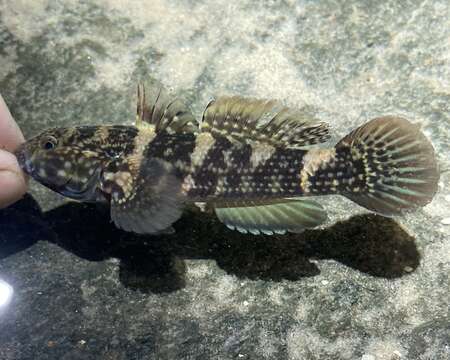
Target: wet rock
[{"x": 361, "y": 287}]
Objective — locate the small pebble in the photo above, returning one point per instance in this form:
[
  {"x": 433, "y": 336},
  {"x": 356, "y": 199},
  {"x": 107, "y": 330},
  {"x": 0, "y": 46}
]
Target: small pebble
[
  {"x": 447, "y": 198},
  {"x": 368, "y": 357},
  {"x": 408, "y": 269},
  {"x": 445, "y": 221},
  {"x": 81, "y": 343},
  {"x": 325, "y": 282}
]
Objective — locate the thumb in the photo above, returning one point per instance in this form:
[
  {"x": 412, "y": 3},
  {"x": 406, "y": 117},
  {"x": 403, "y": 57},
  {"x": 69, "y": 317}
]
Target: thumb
[{"x": 12, "y": 180}]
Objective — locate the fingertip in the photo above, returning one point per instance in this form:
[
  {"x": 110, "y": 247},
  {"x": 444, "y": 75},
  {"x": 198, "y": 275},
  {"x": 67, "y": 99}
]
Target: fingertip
[
  {"x": 13, "y": 184},
  {"x": 12, "y": 188},
  {"x": 10, "y": 134}
]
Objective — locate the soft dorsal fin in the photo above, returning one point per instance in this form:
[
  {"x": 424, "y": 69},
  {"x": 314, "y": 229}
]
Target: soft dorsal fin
[
  {"x": 157, "y": 108},
  {"x": 265, "y": 121},
  {"x": 276, "y": 216}
]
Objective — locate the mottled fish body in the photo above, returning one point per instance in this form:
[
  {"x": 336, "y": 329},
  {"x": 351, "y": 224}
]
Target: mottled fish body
[{"x": 249, "y": 160}]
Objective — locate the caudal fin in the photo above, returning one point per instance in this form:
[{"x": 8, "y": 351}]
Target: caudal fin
[{"x": 393, "y": 164}]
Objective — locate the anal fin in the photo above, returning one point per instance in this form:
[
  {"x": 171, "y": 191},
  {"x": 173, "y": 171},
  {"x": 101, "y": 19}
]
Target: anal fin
[{"x": 270, "y": 216}]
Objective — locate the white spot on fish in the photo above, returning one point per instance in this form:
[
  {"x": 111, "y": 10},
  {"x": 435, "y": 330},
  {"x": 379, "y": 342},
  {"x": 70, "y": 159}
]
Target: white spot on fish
[
  {"x": 203, "y": 143},
  {"x": 313, "y": 160},
  {"x": 168, "y": 152},
  {"x": 61, "y": 173},
  {"x": 42, "y": 173},
  {"x": 260, "y": 154},
  {"x": 188, "y": 184}
]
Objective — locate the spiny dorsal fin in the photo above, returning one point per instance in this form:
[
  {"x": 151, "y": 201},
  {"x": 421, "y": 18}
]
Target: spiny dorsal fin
[
  {"x": 265, "y": 121},
  {"x": 161, "y": 110},
  {"x": 270, "y": 216}
]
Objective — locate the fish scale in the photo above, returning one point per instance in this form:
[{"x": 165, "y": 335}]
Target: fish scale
[{"x": 249, "y": 160}]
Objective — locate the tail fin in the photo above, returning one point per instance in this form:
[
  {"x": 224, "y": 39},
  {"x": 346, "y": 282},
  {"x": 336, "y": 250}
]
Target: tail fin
[{"x": 393, "y": 165}]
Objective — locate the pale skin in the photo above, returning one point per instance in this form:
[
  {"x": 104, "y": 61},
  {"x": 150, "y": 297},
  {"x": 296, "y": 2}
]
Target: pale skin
[{"x": 13, "y": 184}]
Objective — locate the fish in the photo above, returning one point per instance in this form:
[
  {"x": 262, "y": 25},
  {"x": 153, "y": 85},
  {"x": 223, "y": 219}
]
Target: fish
[{"x": 257, "y": 164}]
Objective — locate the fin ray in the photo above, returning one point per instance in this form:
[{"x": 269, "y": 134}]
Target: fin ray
[
  {"x": 157, "y": 108},
  {"x": 266, "y": 121},
  {"x": 270, "y": 216},
  {"x": 396, "y": 165},
  {"x": 145, "y": 199}
]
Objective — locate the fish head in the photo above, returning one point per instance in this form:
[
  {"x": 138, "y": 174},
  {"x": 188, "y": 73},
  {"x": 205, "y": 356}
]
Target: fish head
[{"x": 66, "y": 160}]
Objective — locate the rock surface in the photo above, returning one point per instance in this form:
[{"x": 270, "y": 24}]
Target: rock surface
[{"x": 361, "y": 287}]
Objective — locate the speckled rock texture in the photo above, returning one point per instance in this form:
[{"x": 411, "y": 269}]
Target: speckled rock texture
[{"x": 360, "y": 287}]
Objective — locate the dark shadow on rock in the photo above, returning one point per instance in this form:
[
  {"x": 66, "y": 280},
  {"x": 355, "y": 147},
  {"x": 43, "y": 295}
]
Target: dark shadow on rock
[
  {"x": 146, "y": 263},
  {"x": 21, "y": 225},
  {"x": 369, "y": 243}
]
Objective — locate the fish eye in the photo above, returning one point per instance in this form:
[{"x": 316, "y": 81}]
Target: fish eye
[{"x": 49, "y": 143}]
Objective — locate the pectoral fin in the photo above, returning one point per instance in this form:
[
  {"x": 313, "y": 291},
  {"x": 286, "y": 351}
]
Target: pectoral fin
[
  {"x": 144, "y": 201},
  {"x": 271, "y": 216}
]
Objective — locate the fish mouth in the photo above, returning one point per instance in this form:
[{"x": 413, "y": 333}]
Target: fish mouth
[
  {"x": 85, "y": 193},
  {"x": 66, "y": 190},
  {"x": 24, "y": 159}
]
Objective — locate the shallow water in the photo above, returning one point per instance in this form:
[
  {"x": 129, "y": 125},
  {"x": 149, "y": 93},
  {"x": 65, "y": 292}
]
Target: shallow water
[{"x": 360, "y": 287}]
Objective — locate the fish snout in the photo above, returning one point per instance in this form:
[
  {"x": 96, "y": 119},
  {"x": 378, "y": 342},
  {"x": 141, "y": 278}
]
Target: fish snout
[{"x": 23, "y": 156}]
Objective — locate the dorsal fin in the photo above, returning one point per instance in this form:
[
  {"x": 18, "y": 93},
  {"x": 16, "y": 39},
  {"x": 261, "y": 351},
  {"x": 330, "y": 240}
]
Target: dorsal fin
[
  {"x": 265, "y": 121},
  {"x": 162, "y": 111}
]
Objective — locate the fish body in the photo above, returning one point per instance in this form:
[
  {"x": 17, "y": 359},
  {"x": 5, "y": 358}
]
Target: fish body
[{"x": 251, "y": 161}]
